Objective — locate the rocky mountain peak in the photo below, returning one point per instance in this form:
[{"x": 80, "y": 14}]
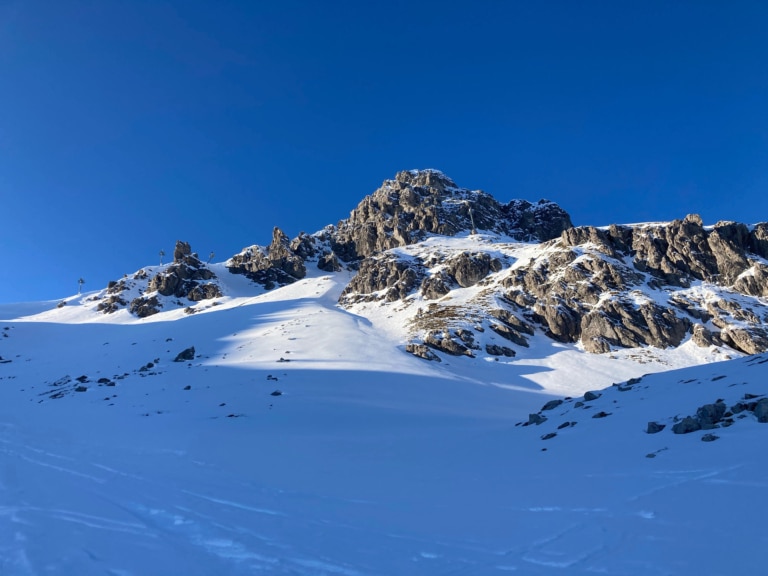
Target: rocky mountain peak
[
  {"x": 422, "y": 202},
  {"x": 428, "y": 178}
]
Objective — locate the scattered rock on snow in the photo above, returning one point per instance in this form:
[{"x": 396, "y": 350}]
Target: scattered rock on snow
[{"x": 185, "y": 355}]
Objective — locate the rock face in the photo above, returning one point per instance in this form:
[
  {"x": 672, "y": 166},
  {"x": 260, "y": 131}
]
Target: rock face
[
  {"x": 567, "y": 290},
  {"x": 279, "y": 264},
  {"x": 421, "y": 202},
  {"x": 652, "y": 285},
  {"x": 185, "y": 278}
]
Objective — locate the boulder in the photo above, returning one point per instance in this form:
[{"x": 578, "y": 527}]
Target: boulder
[
  {"x": 686, "y": 426},
  {"x": 185, "y": 355},
  {"x": 422, "y": 351},
  {"x": 654, "y": 428},
  {"x": 761, "y": 410}
]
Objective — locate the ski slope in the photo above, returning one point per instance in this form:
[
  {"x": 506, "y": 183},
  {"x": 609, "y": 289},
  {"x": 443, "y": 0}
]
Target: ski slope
[{"x": 369, "y": 462}]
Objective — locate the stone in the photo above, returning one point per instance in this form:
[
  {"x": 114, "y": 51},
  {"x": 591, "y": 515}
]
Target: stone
[
  {"x": 761, "y": 411},
  {"x": 709, "y": 438},
  {"x": 709, "y": 415},
  {"x": 686, "y": 426},
  {"x": 422, "y": 351},
  {"x": 536, "y": 419},
  {"x": 185, "y": 355},
  {"x": 552, "y": 404},
  {"x": 329, "y": 263},
  {"x": 549, "y": 436},
  {"x": 654, "y": 428},
  {"x": 444, "y": 342},
  {"x": 496, "y": 350},
  {"x": 590, "y": 396}
]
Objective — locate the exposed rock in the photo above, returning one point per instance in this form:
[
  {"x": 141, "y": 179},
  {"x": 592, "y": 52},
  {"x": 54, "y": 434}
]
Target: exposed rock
[
  {"x": 549, "y": 435},
  {"x": 709, "y": 437},
  {"x": 704, "y": 338},
  {"x": 185, "y": 355},
  {"x": 536, "y": 419},
  {"x": 445, "y": 343},
  {"x": 329, "y": 263},
  {"x": 552, "y": 404},
  {"x": 751, "y": 341},
  {"x": 392, "y": 277},
  {"x": 654, "y": 428},
  {"x": 420, "y": 202},
  {"x": 422, "y": 351},
  {"x": 181, "y": 251},
  {"x": 495, "y": 350},
  {"x": 686, "y": 425},
  {"x": 145, "y": 306},
  {"x": 761, "y": 410},
  {"x": 590, "y": 396},
  {"x": 204, "y": 292},
  {"x": 278, "y": 264},
  {"x": 710, "y": 414},
  {"x": 436, "y": 286},
  {"x": 469, "y": 268}
]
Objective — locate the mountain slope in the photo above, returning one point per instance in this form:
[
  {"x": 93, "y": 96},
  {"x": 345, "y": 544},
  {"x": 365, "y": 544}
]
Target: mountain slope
[
  {"x": 356, "y": 468},
  {"x": 263, "y": 415}
]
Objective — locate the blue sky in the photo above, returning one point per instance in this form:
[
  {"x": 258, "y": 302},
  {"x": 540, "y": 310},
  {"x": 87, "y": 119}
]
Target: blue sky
[{"x": 125, "y": 126}]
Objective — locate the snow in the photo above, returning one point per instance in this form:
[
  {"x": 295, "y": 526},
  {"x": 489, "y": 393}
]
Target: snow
[{"x": 371, "y": 462}]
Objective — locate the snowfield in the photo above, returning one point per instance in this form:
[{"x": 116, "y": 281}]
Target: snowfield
[{"x": 303, "y": 440}]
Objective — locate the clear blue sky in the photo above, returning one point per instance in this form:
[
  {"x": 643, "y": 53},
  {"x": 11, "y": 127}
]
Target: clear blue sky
[{"x": 126, "y": 125}]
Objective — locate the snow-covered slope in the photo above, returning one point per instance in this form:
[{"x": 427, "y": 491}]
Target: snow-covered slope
[{"x": 301, "y": 439}]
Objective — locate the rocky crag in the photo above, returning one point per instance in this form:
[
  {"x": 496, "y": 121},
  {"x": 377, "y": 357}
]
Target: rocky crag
[
  {"x": 187, "y": 278},
  {"x": 521, "y": 269}
]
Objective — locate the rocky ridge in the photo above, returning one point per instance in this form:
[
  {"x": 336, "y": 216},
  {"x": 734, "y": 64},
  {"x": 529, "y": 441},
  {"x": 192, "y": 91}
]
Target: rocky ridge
[
  {"x": 187, "y": 278},
  {"x": 655, "y": 285},
  {"x": 519, "y": 269}
]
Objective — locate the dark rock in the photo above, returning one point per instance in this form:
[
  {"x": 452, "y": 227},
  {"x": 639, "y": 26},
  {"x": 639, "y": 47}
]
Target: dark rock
[
  {"x": 601, "y": 414},
  {"x": 145, "y": 306},
  {"x": 686, "y": 425},
  {"x": 761, "y": 410},
  {"x": 81, "y": 388},
  {"x": 276, "y": 393},
  {"x": 710, "y": 414},
  {"x": 549, "y": 435},
  {"x": 181, "y": 251},
  {"x": 422, "y": 351},
  {"x": 436, "y": 286},
  {"x": 495, "y": 350},
  {"x": 506, "y": 331},
  {"x": 709, "y": 438},
  {"x": 654, "y": 428},
  {"x": 185, "y": 355},
  {"x": 589, "y": 396},
  {"x": 704, "y": 338},
  {"x": 420, "y": 202},
  {"x": 552, "y": 404},
  {"x": 329, "y": 263},
  {"x": 469, "y": 268},
  {"x": 536, "y": 419},
  {"x": 444, "y": 342},
  {"x": 384, "y": 277}
]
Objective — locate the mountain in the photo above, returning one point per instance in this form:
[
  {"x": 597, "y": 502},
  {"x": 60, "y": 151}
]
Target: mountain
[{"x": 439, "y": 384}]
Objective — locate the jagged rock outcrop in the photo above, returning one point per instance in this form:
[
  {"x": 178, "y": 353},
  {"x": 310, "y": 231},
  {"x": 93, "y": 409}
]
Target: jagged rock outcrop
[
  {"x": 420, "y": 202},
  {"x": 281, "y": 263},
  {"x": 385, "y": 277},
  {"x": 469, "y": 268},
  {"x": 184, "y": 278},
  {"x": 591, "y": 287}
]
